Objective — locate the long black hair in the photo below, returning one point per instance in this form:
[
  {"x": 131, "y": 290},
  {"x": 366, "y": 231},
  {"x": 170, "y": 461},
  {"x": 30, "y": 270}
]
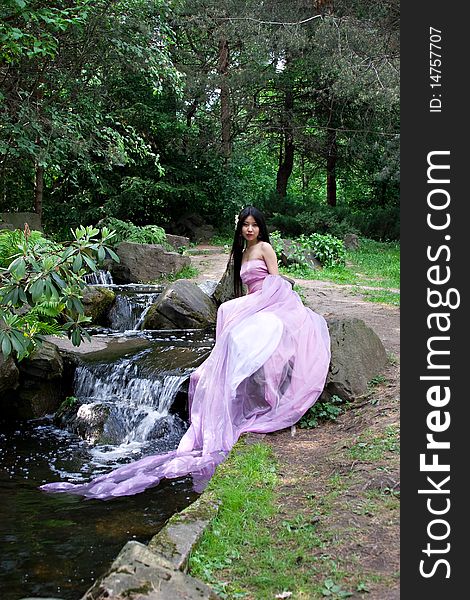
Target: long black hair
[{"x": 239, "y": 243}]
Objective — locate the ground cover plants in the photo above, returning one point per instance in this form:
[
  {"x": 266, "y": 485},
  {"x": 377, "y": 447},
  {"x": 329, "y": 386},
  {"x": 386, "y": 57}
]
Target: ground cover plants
[
  {"x": 125, "y": 231},
  {"x": 373, "y": 271},
  {"x": 310, "y": 516},
  {"x": 187, "y": 272}
]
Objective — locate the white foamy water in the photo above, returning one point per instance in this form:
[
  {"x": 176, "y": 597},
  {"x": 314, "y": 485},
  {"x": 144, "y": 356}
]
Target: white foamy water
[{"x": 134, "y": 408}]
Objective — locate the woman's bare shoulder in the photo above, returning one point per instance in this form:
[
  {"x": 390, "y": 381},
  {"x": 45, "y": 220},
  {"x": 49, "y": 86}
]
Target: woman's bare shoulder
[{"x": 266, "y": 248}]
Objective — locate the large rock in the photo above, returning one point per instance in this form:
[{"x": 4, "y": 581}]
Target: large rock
[
  {"x": 18, "y": 220},
  {"x": 177, "y": 241},
  {"x": 224, "y": 290},
  {"x": 41, "y": 388},
  {"x": 195, "y": 227},
  {"x": 100, "y": 423},
  {"x": 357, "y": 355},
  {"x": 141, "y": 263},
  {"x": 138, "y": 573},
  {"x": 86, "y": 420},
  {"x": 182, "y": 532},
  {"x": 208, "y": 286},
  {"x": 351, "y": 241},
  {"x": 97, "y": 302},
  {"x": 104, "y": 348},
  {"x": 9, "y": 374},
  {"x": 181, "y": 305}
]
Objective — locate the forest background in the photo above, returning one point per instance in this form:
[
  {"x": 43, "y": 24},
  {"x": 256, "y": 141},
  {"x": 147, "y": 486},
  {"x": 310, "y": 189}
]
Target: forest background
[{"x": 147, "y": 110}]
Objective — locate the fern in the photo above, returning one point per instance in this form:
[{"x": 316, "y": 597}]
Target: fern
[
  {"x": 48, "y": 328},
  {"x": 12, "y": 244},
  {"x": 48, "y": 308}
]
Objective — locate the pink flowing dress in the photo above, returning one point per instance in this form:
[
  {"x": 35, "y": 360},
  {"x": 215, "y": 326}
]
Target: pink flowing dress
[{"x": 267, "y": 368}]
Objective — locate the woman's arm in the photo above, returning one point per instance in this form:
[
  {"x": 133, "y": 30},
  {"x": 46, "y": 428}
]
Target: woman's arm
[{"x": 270, "y": 258}]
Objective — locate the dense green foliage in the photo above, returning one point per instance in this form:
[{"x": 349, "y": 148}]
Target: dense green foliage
[
  {"x": 42, "y": 287},
  {"x": 147, "y": 110},
  {"x": 327, "y": 249},
  {"x": 12, "y": 241},
  {"x": 125, "y": 231}
]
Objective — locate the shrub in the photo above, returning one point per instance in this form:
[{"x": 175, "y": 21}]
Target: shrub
[
  {"x": 328, "y": 249},
  {"x": 327, "y": 219},
  {"x": 378, "y": 223},
  {"x": 374, "y": 222},
  {"x": 288, "y": 226},
  {"x": 41, "y": 290},
  {"x": 125, "y": 231},
  {"x": 275, "y": 239},
  {"x": 326, "y": 410},
  {"x": 11, "y": 242}
]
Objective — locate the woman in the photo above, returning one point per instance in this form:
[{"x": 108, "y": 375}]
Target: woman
[{"x": 267, "y": 368}]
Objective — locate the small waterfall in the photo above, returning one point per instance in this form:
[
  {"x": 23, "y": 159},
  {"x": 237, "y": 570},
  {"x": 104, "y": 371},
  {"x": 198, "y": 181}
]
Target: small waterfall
[
  {"x": 124, "y": 408},
  {"x": 124, "y": 382},
  {"x": 130, "y": 401},
  {"x": 100, "y": 277},
  {"x": 128, "y": 312}
]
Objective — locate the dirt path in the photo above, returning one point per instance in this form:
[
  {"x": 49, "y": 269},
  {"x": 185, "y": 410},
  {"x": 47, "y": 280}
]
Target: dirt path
[{"x": 344, "y": 476}]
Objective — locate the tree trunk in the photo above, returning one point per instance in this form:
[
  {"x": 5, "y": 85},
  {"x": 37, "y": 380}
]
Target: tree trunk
[
  {"x": 304, "y": 175},
  {"x": 286, "y": 161},
  {"x": 191, "y": 112},
  {"x": 332, "y": 157},
  {"x": 225, "y": 111},
  {"x": 38, "y": 189}
]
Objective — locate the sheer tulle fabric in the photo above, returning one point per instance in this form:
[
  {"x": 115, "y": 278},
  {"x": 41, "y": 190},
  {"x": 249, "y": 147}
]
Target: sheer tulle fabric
[{"x": 267, "y": 368}]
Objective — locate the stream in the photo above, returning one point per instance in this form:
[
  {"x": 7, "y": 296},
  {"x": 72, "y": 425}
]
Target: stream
[{"x": 131, "y": 404}]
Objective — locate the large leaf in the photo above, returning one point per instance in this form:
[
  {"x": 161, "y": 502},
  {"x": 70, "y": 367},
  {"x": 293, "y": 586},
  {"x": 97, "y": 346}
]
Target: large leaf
[{"x": 18, "y": 267}]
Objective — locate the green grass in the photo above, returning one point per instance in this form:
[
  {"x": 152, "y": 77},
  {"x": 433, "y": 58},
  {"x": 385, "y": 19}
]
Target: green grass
[
  {"x": 374, "y": 264},
  {"x": 247, "y": 503},
  {"x": 377, "y": 263},
  {"x": 381, "y": 296},
  {"x": 253, "y": 549},
  {"x": 187, "y": 272},
  {"x": 372, "y": 448},
  {"x": 250, "y": 550},
  {"x": 334, "y": 274}
]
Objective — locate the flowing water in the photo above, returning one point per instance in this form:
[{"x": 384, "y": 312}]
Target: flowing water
[
  {"x": 56, "y": 545},
  {"x": 101, "y": 277},
  {"x": 132, "y": 304}
]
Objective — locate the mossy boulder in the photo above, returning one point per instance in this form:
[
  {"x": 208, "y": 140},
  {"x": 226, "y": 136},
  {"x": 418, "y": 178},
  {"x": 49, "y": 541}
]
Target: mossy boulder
[
  {"x": 41, "y": 383},
  {"x": 97, "y": 301}
]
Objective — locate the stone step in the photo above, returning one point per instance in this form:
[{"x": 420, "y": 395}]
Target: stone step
[{"x": 157, "y": 571}]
